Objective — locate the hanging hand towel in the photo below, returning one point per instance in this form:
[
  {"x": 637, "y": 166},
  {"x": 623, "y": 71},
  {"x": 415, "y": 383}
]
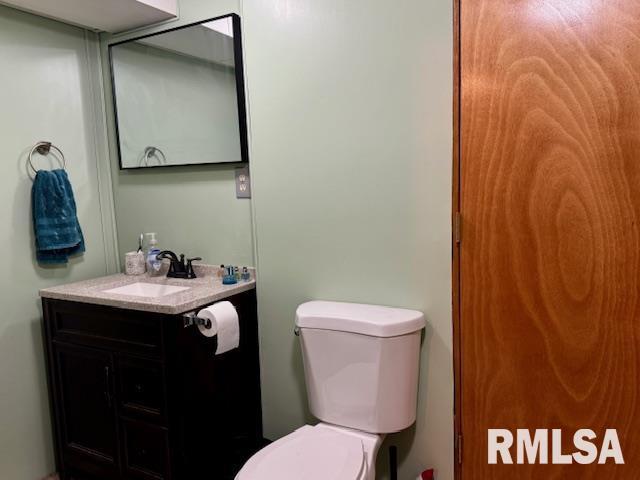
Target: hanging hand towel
[{"x": 55, "y": 223}]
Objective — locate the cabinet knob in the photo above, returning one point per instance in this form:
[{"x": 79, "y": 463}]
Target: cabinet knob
[{"x": 138, "y": 388}]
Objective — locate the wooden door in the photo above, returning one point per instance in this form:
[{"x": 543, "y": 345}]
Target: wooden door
[{"x": 550, "y": 254}]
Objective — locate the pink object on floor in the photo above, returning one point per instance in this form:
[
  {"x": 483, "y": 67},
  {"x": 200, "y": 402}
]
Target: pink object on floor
[{"x": 427, "y": 474}]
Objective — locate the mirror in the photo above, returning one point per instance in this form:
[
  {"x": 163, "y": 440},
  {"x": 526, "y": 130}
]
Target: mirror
[{"x": 179, "y": 96}]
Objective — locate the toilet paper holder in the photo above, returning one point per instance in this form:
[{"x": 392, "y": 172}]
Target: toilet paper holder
[{"x": 191, "y": 318}]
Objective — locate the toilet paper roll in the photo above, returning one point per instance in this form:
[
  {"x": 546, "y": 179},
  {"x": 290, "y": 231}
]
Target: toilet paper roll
[{"x": 224, "y": 324}]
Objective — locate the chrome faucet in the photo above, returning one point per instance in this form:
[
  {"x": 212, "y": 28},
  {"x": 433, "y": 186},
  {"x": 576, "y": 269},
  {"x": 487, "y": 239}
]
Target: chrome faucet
[{"x": 177, "y": 267}]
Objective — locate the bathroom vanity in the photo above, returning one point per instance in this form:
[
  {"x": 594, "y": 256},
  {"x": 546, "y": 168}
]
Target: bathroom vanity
[{"x": 137, "y": 392}]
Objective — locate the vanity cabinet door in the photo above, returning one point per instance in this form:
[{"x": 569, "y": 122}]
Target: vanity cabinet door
[{"x": 86, "y": 407}]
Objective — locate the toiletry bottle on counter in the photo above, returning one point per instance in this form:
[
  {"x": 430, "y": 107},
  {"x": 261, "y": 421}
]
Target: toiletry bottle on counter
[
  {"x": 246, "y": 276},
  {"x": 229, "y": 276},
  {"x": 153, "y": 264}
]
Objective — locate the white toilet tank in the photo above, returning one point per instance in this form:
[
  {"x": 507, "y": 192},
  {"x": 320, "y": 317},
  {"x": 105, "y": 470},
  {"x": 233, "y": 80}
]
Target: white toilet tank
[{"x": 361, "y": 364}]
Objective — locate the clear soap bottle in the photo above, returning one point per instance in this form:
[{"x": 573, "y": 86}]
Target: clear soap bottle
[{"x": 153, "y": 264}]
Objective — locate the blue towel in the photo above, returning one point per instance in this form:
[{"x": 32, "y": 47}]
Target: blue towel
[{"x": 55, "y": 223}]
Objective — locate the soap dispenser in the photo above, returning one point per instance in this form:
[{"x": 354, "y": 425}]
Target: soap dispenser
[{"x": 153, "y": 264}]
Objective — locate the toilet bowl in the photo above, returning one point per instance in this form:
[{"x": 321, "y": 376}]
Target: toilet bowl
[
  {"x": 361, "y": 371},
  {"x": 321, "y": 452}
]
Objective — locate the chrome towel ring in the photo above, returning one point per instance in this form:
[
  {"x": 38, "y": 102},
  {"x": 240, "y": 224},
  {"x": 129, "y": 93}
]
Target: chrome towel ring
[
  {"x": 44, "y": 148},
  {"x": 150, "y": 152}
]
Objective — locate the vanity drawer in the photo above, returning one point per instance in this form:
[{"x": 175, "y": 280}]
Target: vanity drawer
[
  {"x": 142, "y": 388},
  {"x": 107, "y": 327},
  {"x": 146, "y": 451}
]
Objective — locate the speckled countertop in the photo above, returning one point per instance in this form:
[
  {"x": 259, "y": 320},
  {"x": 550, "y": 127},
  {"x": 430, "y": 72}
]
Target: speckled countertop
[{"x": 207, "y": 288}]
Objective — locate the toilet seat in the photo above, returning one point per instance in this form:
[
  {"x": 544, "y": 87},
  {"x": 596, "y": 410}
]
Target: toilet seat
[{"x": 309, "y": 453}]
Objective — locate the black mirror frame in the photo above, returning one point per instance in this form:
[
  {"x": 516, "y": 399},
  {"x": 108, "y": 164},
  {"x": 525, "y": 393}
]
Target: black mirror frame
[{"x": 240, "y": 92}]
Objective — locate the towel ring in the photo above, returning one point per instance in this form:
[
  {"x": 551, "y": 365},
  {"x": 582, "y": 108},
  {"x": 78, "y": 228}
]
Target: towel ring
[
  {"x": 153, "y": 152},
  {"x": 44, "y": 148}
]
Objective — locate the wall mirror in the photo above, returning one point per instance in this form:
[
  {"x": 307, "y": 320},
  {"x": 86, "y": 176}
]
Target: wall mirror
[{"x": 179, "y": 96}]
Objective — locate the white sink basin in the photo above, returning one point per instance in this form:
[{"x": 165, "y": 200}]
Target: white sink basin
[{"x": 142, "y": 289}]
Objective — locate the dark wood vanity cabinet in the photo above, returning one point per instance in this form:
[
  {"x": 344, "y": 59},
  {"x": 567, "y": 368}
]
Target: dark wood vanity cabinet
[{"x": 137, "y": 395}]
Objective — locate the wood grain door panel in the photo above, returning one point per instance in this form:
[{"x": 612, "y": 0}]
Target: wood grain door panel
[{"x": 550, "y": 201}]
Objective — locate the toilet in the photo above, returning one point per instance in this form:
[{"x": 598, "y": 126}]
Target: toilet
[{"x": 361, "y": 369}]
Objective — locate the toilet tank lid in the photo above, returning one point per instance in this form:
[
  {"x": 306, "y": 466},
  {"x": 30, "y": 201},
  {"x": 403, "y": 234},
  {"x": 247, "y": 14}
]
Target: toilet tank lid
[{"x": 372, "y": 320}]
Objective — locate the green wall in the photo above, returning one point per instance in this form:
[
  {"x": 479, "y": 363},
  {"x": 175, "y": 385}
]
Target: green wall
[
  {"x": 193, "y": 209},
  {"x": 48, "y": 78},
  {"x": 351, "y": 133}
]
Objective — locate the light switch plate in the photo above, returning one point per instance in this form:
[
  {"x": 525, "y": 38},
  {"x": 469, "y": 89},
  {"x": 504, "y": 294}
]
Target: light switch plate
[{"x": 243, "y": 183}]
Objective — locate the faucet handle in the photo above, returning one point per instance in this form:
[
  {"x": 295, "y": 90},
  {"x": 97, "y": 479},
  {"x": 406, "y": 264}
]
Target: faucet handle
[
  {"x": 174, "y": 266},
  {"x": 190, "y": 272}
]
